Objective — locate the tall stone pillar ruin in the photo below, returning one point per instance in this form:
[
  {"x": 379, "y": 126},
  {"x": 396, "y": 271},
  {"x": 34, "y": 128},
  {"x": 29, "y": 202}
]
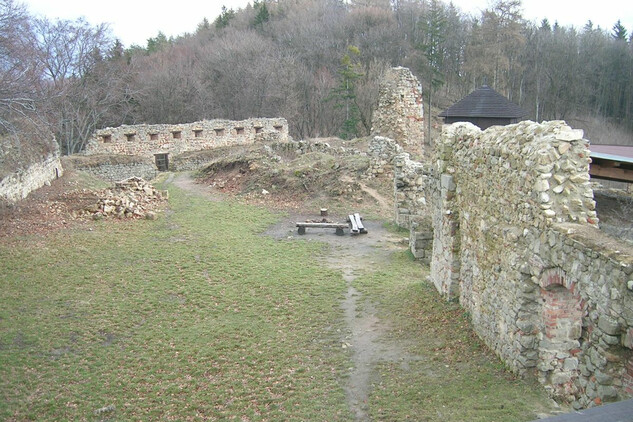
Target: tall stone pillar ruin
[{"x": 400, "y": 114}]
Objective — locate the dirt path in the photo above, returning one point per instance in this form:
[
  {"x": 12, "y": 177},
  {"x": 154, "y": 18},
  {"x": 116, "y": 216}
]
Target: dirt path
[
  {"x": 381, "y": 200},
  {"x": 364, "y": 335},
  {"x": 186, "y": 182}
]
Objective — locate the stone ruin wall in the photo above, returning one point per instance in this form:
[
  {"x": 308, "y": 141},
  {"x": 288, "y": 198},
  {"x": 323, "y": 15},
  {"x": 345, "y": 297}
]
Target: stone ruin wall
[
  {"x": 381, "y": 152},
  {"x": 515, "y": 240},
  {"x": 398, "y": 126},
  {"x": 400, "y": 114},
  {"x": 147, "y": 140},
  {"x": 114, "y": 167},
  {"x": 416, "y": 190},
  {"x": 18, "y": 185}
]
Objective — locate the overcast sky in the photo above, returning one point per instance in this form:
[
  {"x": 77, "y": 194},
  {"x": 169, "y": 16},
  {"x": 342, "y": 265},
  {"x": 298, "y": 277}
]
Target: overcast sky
[{"x": 134, "y": 21}]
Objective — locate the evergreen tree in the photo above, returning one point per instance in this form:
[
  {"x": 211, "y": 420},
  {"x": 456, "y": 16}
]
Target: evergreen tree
[
  {"x": 203, "y": 26},
  {"x": 262, "y": 15},
  {"x": 345, "y": 92},
  {"x": 434, "y": 28},
  {"x": 619, "y": 31},
  {"x": 157, "y": 43},
  {"x": 225, "y": 17}
]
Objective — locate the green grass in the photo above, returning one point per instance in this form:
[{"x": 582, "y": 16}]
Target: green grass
[
  {"x": 192, "y": 316},
  {"x": 452, "y": 376},
  {"x": 198, "y": 316}
]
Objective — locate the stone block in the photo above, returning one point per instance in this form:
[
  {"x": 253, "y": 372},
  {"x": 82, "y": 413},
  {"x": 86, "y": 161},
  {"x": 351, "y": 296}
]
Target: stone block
[
  {"x": 603, "y": 378},
  {"x": 570, "y": 364},
  {"x": 611, "y": 340},
  {"x": 529, "y": 342},
  {"x": 558, "y": 378},
  {"x": 627, "y": 339},
  {"x": 607, "y": 393},
  {"x": 447, "y": 182},
  {"x": 590, "y": 391},
  {"x": 584, "y": 370},
  {"x": 525, "y": 326},
  {"x": 608, "y": 325}
]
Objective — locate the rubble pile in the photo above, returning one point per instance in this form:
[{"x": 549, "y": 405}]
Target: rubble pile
[{"x": 130, "y": 198}]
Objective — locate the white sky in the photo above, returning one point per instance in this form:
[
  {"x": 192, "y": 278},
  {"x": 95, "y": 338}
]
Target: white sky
[{"x": 134, "y": 21}]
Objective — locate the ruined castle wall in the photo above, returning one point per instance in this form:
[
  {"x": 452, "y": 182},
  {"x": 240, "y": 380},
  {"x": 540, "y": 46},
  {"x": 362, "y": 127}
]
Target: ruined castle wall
[
  {"x": 512, "y": 201},
  {"x": 582, "y": 331},
  {"x": 382, "y": 152},
  {"x": 114, "y": 168},
  {"x": 400, "y": 114},
  {"x": 19, "y": 184},
  {"x": 147, "y": 140}
]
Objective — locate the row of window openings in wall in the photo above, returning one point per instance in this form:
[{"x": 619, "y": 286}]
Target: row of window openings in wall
[{"x": 198, "y": 133}]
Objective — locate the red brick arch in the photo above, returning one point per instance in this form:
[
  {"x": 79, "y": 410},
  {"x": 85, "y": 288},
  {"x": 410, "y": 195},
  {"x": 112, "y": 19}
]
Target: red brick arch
[{"x": 562, "y": 306}]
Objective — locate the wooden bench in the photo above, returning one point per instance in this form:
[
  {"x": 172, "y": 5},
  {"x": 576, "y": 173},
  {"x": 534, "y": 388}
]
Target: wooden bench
[
  {"x": 338, "y": 226},
  {"x": 356, "y": 224}
]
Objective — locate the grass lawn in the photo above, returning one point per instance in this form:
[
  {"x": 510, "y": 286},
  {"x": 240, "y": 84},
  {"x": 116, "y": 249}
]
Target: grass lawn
[
  {"x": 198, "y": 316},
  {"x": 452, "y": 375}
]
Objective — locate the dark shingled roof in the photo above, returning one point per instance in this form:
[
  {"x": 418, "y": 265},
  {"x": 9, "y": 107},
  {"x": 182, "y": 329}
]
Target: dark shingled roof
[{"x": 484, "y": 102}]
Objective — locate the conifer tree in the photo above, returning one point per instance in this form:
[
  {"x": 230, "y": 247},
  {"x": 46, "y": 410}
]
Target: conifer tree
[
  {"x": 619, "y": 31},
  {"x": 225, "y": 17},
  {"x": 432, "y": 47},
  {"x": 345, "y": 93},
  {"x": 263, "y": 15}
]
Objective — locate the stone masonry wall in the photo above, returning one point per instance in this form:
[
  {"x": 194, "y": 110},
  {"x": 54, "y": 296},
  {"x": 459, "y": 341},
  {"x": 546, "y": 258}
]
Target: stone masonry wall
[
  {"x": 18, "y": 185},
  {"x": 515, "y": 239},
  {"x": 381, "y": 152},
  {"x": 400, "y": 114},
  {"x": 580, "y": 334},
  {"x": 114, "y": 167},
  {"x": 148, "y": 140},
  {"x": 416, "y": 190}
]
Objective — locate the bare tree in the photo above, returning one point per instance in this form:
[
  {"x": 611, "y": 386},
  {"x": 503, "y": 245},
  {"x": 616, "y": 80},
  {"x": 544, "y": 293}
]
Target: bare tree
[
  {"x": 18, "y": 74},
  {"x": 70, "y": 54}
]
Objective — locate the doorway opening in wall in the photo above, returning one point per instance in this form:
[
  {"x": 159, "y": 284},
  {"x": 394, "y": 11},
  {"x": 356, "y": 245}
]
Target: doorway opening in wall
[{"x": 162, "y": 161}]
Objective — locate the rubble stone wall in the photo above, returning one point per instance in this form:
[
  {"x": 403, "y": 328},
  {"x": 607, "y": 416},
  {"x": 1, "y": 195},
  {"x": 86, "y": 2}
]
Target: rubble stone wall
[
  {"x": 115, "y": 168},
  {"x": 416, "y": 190},
  {"x": 382, "y": 152},
  {"x": 18, "y": 185},
  {"x": 147, "y": 140},
  {"x": 515, "y": 240},
  {"x": 400, "y": 114}
]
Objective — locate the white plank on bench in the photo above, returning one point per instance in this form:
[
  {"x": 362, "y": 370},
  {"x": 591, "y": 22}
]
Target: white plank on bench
[
  {"x": 352, "y": 224},
  {"x": 359, "y": 223}
]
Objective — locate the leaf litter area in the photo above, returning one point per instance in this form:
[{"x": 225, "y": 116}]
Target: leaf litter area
[{"x": 219, "y": 310}]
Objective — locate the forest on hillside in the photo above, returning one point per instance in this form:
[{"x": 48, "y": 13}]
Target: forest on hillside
[{"x": 315, "y": 62}]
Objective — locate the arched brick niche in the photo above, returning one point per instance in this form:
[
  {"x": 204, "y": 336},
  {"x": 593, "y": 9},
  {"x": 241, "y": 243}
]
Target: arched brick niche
[
  {"x": 561, "y": 315},
  {"x": 627, "y": 379}
]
